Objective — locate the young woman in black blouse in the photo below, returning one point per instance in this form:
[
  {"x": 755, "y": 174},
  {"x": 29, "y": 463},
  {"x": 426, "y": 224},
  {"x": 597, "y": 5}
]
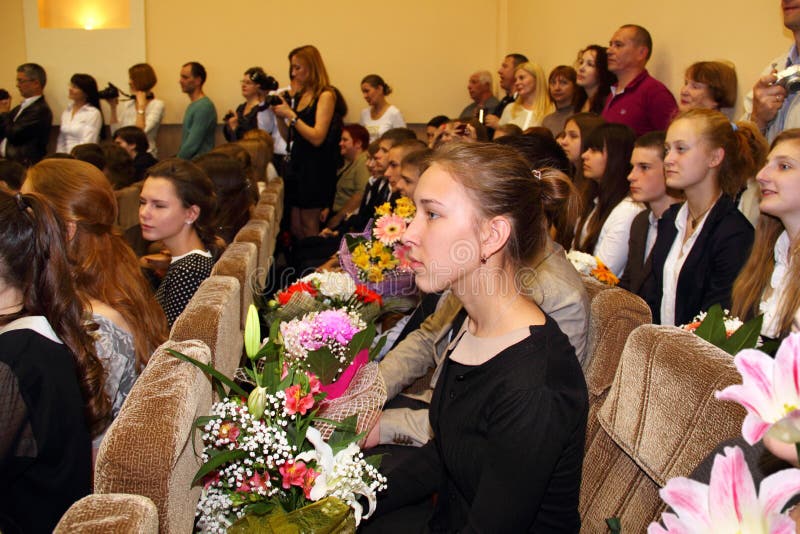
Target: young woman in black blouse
[
  {"x": 510, "y": 405},
  {"x": 51, "y": 382}
]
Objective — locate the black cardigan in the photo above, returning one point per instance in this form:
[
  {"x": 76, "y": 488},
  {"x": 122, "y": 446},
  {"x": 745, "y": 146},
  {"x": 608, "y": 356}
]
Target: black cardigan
[
  {"x": 508, "y": 446},
  {"x": 712, "y": 265}
]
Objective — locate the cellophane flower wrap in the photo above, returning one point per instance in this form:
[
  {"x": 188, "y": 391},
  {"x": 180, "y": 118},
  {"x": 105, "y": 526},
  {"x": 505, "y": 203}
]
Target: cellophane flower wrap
[
  {"x": 264, "y": 460},
  {"x": 323, "y": 291},
  {"x": 589, "y": 265},
  {"x": 376, "y": 256}
]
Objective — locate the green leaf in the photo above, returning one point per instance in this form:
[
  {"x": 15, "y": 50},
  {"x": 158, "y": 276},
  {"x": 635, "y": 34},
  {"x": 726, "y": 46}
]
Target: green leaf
[
  {"x": 215, "y": 461},
  {"x": 353, "y": 241},
  {"x": 614, "y": 525},
  {"x": 376, "y": 349},
  {"x": 324, "y": 364},
  {"x": 745, "y": 337},
  {"x": 344, "y": 433},
  {"x": 375, "y": 460},
  {"x": 770, "y": 346},
  {"x": 712, "y": 329},
  {"x": 211, "y": 371},
  {"x": 362, "y": 340}
]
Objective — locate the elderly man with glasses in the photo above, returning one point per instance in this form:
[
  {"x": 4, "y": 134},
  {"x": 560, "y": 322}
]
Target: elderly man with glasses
[{"x": 25, "y": 130}]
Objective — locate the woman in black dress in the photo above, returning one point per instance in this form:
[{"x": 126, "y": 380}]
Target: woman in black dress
[{"x": 313, "y": 131}]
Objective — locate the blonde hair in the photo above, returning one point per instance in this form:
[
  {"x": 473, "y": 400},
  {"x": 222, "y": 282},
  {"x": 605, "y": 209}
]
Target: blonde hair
[
  {"x": 541, "y": 98},
  {"x": 754, "y": 278}
]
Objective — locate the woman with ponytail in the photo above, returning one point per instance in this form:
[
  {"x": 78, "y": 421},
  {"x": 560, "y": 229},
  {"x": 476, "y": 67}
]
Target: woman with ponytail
[
  {"x": 177, "y": 207},
  {"x": 105, "y": 270},
  {"x": 770, "y": 280},
  {"x": 702, "y": 243},
  {"x": 51, "y": 380},
  {"x": 234, "y": 193},
  {"x": 510, "y": 385}
]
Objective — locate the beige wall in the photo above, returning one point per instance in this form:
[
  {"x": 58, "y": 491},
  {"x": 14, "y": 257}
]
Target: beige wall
[
  {"x": 426, "y": 50},
  {"x": 749, "y": 33}
]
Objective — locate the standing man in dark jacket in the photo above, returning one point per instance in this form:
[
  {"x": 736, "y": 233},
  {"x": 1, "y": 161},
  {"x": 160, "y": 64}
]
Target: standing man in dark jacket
[{"x": 25, "y": 130}]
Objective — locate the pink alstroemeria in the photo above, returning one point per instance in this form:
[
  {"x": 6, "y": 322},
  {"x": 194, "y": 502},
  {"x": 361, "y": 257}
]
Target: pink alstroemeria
[
  {"x": 308, "y": 482},
  {"x": 296, "y": 402},
  {"x": 729, "y": 504},
  {"x": 314, "y": 384},
  {"x": 293, "y": 474},
  {"x": 770, "y": 391},
  {"x": 389, "y": 229},
  {"x": 257, "y": 482}
]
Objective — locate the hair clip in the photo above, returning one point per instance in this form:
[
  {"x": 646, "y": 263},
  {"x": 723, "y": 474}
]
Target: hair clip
[
  {"x": 733, "y": 125},
  {"x": 537, "y": 173}
]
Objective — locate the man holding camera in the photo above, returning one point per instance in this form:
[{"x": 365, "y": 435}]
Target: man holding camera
[
  {"x": 200, "y": 119},
  {"x": 25, "y": 130},
  {"x": 773, "y": 104}
]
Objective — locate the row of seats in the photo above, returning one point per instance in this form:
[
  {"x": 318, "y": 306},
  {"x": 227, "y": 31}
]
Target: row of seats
[
  {"x": 652, "y": 415},
  {"x": 150, "y": 454}
]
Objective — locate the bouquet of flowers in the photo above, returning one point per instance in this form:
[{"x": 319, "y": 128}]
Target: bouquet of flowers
[
  {"x": 324, "y": 291},
  {"x": 722, "y": 330},
  {"x": 589, "y": 265},
  {"x": 376, "y": 256},
  {"x": 263, "y": 461}
]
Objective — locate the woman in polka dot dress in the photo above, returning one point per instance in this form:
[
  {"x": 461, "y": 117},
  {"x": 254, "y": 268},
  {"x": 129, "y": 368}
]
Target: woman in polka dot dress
[{"x": 176, "y": 207}]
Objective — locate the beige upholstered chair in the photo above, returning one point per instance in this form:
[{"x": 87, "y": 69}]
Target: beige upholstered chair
[
  {"x": 240, "y": 261},
  {"x": 148, "y": 448},
  {"x": 659, "y": 421},
  {"x": 260, "y": 234},
  {"x": 614, "y": 314},
  {"x": 128, "y": 204},
  {"x": 276, "y": 186},
  {"x": 120, "y": 513},
  {"x": 214, "y": 317},
  {"x": 266, "y": 212}
]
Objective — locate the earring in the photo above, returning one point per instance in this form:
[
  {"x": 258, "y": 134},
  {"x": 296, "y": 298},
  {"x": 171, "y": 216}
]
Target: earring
[{"x": 483, "y": 259}]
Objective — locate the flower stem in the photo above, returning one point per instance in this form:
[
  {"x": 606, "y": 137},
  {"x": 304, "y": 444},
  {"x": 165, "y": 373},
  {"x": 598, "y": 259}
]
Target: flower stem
[{"x": 797, "y": 448}]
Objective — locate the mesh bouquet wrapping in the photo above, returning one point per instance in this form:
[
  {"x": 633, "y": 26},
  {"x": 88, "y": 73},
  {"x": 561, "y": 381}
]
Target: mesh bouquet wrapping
[
  {"x": 302, "y": 303},
  {"x": 395, "y": 283},
  {"x": 364, "y": 397}
]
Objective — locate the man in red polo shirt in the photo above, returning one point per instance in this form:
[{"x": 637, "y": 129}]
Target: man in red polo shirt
[{"x": 638, "y": 99}]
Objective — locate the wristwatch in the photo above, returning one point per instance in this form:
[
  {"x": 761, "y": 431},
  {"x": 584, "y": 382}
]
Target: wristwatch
[
  {"x": 140, "y": 111},
  {"x": 294, "y": 120}
]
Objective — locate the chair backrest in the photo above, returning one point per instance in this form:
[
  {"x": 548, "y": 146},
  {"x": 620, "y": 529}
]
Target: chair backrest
[
  {"x": 214, "y": 317},
  {"x": 276, "y": 186},
  {"x": 240, "y": 260},
  {"x": 266, "y": 212},
  {"x": 148, "y": 449},
  {"x": 660, "y": 420},
  {"x": 260, "y": 234},
  {"x": 120, "y": 513},
  {"x": 128, "y": 205},
  {"x": 272, "y": 198},
  {"x": 614, "y": 314}
]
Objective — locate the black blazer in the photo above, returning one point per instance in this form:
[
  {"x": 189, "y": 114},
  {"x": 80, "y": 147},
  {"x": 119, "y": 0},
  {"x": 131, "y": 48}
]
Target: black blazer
[
  {"x": 712, "y": 265},
  {"x": 637, "y": 269},
  {"x": 27, "y": 136}
]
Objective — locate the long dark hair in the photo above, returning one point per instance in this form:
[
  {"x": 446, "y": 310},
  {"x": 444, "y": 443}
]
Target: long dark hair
[
  {"x": 233, "y": 193},
  {"x": 616, "y": 140},
  {"x": 194, "y": 188},
  {"x": 33, "y": 259},
  {"x": 88, "y": 85},
  {"x": 605, "y": 79}
]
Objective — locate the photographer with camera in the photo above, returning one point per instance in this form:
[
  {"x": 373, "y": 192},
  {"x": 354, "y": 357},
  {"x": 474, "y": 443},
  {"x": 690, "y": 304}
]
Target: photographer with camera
[
  {"x": 772, "y": 104},
  {"x": 141, "y": 109},
  {"x": 255, "y": 112}
]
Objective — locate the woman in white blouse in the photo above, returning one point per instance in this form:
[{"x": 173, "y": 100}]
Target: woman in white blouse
[
  {"x": 770, "y": 280},
  {"x": 143, "y": 109},
  {"x": 532, "y": 103},
  {"x": 82, "y": 121},
  {"x": 605, "y": 226},
  {"x": 380, "y": 116}
]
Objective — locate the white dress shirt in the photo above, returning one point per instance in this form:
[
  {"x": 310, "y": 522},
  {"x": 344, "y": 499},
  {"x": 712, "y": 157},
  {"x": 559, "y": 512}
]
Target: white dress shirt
[
  {"x": 674, "y": 263},
  {"x": 771, "y": 300},
  {"x": 81, "y": 127},
  {"x": 612, "y": 243}
]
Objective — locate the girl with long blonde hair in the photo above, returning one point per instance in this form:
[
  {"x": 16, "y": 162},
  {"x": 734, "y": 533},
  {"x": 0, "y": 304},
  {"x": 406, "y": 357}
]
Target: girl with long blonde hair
[{"x": 533, "y": 102}]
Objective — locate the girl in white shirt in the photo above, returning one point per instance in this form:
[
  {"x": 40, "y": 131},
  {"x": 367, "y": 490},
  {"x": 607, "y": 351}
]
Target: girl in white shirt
[
  {"x": 380, "y": 116},
  {"x": 82, "y": 121},
  {"x": 605, "y": 226},
  {"x": 142, "y": 110},
  {"x": 770, "y": 280}
]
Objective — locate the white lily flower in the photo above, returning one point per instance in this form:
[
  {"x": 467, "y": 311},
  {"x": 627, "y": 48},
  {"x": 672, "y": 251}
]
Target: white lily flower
[{"x": 333, "y": 480}]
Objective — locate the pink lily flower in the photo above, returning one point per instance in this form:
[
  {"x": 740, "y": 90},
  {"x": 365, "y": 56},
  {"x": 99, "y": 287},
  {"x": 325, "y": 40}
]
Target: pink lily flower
[
  {"x": 729, "y": 504},
  {"x": 770, "y": 392}
]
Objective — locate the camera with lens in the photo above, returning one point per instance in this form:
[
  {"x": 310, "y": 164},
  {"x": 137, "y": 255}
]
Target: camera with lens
[
  {"x": 111, "y": 91},
  {"x": 4, "y": 94},
  {"x": 789, "y": 79}
]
